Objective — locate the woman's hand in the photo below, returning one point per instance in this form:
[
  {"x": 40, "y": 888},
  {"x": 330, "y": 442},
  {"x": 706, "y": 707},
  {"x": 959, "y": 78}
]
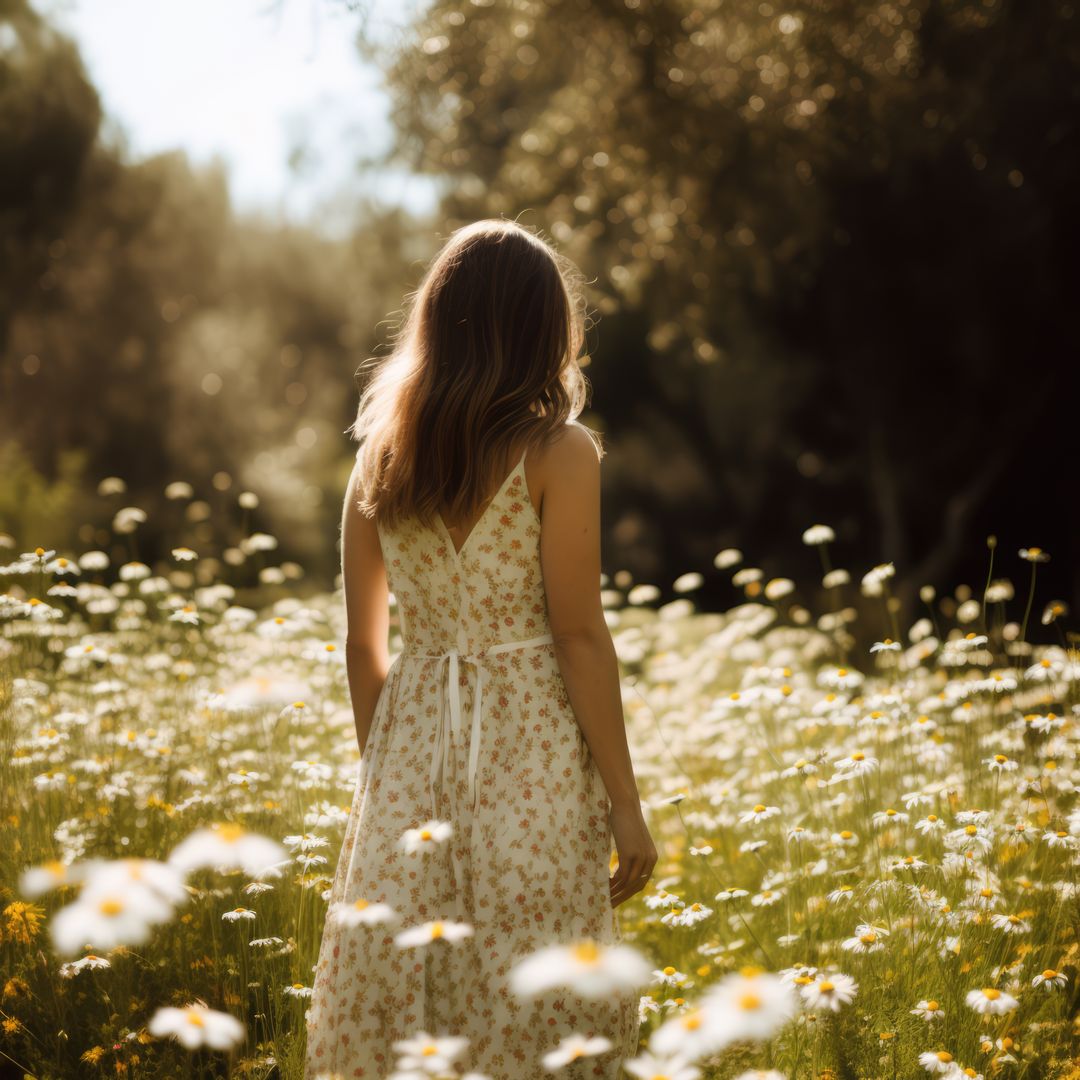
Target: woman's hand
[{"x": 637, "y": 852}]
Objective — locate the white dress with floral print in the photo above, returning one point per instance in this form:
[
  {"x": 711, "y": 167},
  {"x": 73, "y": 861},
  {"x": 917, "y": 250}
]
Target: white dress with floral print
[{"x": 528, "y": 859}]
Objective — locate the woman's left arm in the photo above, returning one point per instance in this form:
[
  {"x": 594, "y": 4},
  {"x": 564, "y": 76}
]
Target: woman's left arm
[{"x": 367, "y": 610}]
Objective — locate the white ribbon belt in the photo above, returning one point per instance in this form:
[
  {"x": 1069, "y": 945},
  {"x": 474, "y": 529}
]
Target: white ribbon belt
[{"x": 441, "y": 752}]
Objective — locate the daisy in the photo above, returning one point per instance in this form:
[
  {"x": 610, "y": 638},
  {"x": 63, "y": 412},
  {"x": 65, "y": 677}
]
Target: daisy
[
  {"x": 573, "y": 1048},
  {"x": 108, "y": 919},
  {"x": 435, "y": 930},
  {"x": 802, "y": 767},
  {"x": 856, "y": 764},
  {"x": 840, "y": 894},
  {"x": 1011, "y": 924},
  {"x": 750, "y": 1004},
  {"x": 767, "y": 897},
  {"x": 227, "y": 845},
  {"x": 938, "y": 1061},
  {"x": 687, "y": 916},
  {"x": 669, "y": 976},
  {"x": 829, "y": 992},
  {"x": 890, "y": 816},
  {"x": 195, "y": 1026},
  {"x": 928, "y": 1010},
  {"x": 867, "y": 939},
  {"x": 990, "y": 1000},
  {"x": 731, "y": 893},
  {"x": 426, "y": 838},
  {"x": 649, "y": 1066},
  {"x": 362, "y": 912},
  {"x": 430, "y": 1054},
  {"x": 759, "y": 812},
  {"x": 818, "y": 534},
  {"x": 238, "y": 913},
  {"x": 90, "y": 960},
  {"x": 587, "y": 967},
  {"x": 1059, "y": 838},
  {"x": 930, "y": 824},
  {"x": 1050, "y": 979},
  {"x": 888, "y": 645},
  {"x": 907, "y": 862},
  {"x": 38, "y": 880},
  {"x": 999, "y": 763}
]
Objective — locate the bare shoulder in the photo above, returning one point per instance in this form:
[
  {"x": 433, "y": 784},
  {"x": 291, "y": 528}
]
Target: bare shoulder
[
  {"x": 569, "y": 465},
  {"x": 570, "y": 451}
]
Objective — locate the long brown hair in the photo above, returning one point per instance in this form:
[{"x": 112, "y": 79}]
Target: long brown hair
[{"x": 486, "y": 355}]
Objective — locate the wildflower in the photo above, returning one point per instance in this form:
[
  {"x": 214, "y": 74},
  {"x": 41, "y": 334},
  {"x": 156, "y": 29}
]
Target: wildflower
[
  {"x": 1034, "y": 555},
  {"x": 867, "y": 939},
  {"x": 1011, "y": 924},
  {"x": 841, "y": 893},
  {"x": 426, "y": 838},
  {"x": 858, "y": 763},
  {"x": 845, "y": 838},
  {"x": 818, "y": 534},
  {"x": 573, "y": 1048},
  {"x": 587, "y": 967},
  {"x": 108, "y": 919},
  {"x": 999, "y": 763},
  {"x": 362, "y": 912},
  {"x": 938, "y": 1061},
  {"x": 750, "y": 1004},
  {"x": 889, "y": 816},
  {"x": 1059, "y": 838},
  {"x": 888, "y": 645},
  {"x": 430, "y": 1054},
  {"x": 759, "y": 812},
  {"x": 767, "y": 897},
  {"x": 686, "y": 916},
  {"x": 90, "y": 960},
  {"x": 238, "y": 913},
  {"x": 731, "y": 893},
  {"x": 990, "y": 1000},
  {"x": 648, "y": 1066},
  {"x": 225, "y": 846},
  {"x": 297, "y": 990},
  {"x": 195, "y": 1026},
  {"x": 930, "y": 824},
  {"x": 669, "y": 976},
  {"x": 907, "y": 862},
  {"x": 1050, "y": 979},
  {"x": 929, "y": 1011},
  {"x": 434, "y": 930},
  {"x": 829, "y": 992}
]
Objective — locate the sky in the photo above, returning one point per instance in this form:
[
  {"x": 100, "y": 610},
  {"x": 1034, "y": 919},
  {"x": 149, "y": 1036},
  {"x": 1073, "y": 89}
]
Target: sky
[{"x": 254, "y": 83}]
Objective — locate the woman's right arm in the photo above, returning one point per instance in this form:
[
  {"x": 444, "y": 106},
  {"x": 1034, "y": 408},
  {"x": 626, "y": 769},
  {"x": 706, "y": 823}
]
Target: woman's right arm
[{"x": 570, "y": 561}]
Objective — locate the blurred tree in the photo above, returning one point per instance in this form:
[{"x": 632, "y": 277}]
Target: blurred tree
[
  {"x": 143, "y": 324},
  {"x": 826, "y": 239}
]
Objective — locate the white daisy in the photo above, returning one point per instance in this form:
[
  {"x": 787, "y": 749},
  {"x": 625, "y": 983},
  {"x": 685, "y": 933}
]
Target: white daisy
[
  {"x": 829, "y": 991},
  {"x": 573, "y": 1048},
  {"x": 195, "y": 1026},
  {"x": 427, "y": 837},
  {"x": 587, "y": 967},
  {"x": 991, "y": 1000},
  {"x": 434, "y": 930},
  {"x": 362, "y": 912}
]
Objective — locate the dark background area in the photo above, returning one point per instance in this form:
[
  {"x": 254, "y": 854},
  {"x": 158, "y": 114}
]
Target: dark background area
[{"x": 831, "y": 254}]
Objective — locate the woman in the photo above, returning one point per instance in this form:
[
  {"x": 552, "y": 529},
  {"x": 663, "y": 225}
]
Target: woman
[{"x": 495, "y": 770}]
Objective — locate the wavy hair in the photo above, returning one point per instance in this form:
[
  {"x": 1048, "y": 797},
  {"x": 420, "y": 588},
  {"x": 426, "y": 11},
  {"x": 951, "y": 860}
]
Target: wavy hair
[{"x": 486, "y": 354}]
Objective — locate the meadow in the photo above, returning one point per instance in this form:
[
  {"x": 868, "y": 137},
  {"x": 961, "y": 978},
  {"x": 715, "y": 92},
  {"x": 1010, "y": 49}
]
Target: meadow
[{"x": 868, "y": 853}]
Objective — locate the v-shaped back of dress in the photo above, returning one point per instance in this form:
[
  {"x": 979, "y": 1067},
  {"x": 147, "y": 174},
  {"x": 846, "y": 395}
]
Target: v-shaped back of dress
[{"x": 490, "y": 591}]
